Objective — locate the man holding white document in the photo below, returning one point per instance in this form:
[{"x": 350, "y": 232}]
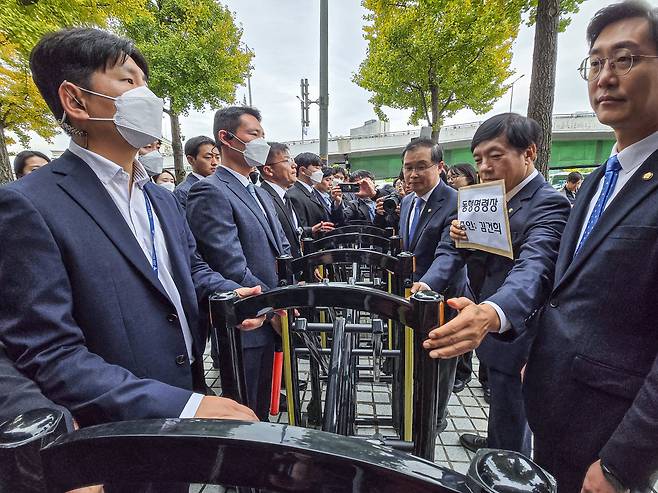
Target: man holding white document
[{"x": 519, "y": 236}]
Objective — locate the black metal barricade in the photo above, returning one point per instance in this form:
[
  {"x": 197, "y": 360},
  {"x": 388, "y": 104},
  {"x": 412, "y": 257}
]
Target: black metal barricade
[
  {"x": 362, "y": 229},
  {"x": 251, "y": 456},
  {"x": 421, "y": 313},
  {"x": 21, "y": 439}
]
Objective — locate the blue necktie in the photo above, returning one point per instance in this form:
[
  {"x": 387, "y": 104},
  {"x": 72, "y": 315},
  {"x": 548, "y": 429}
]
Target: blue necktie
[
  {"x": 252, "y": 190},
  {"x": 418, "y": 208},
  {"x": 612, "y": 168}
]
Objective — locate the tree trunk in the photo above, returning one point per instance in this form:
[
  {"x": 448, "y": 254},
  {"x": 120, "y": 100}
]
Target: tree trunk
[
  {"x": 542, "y": 85},
  {"x": 436, "y": 118},
  {"x": 6, "y": 174},
  {"x": 177, "y": 146}
]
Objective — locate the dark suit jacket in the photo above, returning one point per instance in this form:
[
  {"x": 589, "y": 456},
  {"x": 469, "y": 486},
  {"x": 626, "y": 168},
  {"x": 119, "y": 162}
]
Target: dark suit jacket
[
  {"x": 591, "y": 383},
  {"x": 438, "y": 263},
  {"x": 309, "y": 208},
  {"x": 287, "y": 222},
  {"x": 537, "y": 216},
  {"x": 83, "y": 314},
  {"x": 183, "y": 188},
  {"x": 353, "y": 210},
  {"x": 19, "y": 394},
  {"x": 236, "y": 238}
]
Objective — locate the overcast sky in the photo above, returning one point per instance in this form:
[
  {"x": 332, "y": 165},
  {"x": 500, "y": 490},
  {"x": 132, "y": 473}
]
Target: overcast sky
[{"x": 285, "y": 38}]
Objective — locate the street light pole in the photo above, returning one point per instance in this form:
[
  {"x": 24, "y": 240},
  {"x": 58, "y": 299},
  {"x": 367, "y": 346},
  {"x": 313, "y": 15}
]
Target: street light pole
[
  {"x": 324, "y": 78},
  {"x": 511, "y": 95}
]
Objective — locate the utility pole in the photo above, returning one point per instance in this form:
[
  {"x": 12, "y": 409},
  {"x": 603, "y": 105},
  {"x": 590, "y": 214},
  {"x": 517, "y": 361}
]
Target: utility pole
[
  {"x": 324, "y": 78},
  {"x": 511, "y": 94}
]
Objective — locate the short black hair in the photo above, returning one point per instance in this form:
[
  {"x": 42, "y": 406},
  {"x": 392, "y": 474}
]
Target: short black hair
[
  {"x": 74, "y": 54},
  {"x": 193, "y": 145},
  {"x": 327, "y": 171},
  {"x": 436, "y": 155},
  {"x": 306, "y": 159},
  {"x": 275, "y": 148},
  {"x": 22, "y": 157},
  {"x": 465, "y": 170},
  {"x": 620, "y": 11},
  {"x": 360, "y": 174},
  {"x": 574, "y": 177},
  {"x": 341, "y": 170},
  {"x": 229, "y": 119},
  {"x": 521, "y": 132}
]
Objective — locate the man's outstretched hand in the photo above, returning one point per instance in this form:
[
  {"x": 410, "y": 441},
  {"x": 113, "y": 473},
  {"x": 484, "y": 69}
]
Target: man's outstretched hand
[
  {"x": 463, "y": 333},
  {"x": 250, "y": 323},
  {"x": 214, "y": 407}
]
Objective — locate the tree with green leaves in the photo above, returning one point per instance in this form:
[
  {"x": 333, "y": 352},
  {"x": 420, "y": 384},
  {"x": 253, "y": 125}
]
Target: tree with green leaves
[
  {"x": 22, "y": 109},
  {"x": 550, "y": 17},
  {"x": 195, "y": 58},
  {"x": 437, "y": 57},
  {"x": 22, "y": 23}
]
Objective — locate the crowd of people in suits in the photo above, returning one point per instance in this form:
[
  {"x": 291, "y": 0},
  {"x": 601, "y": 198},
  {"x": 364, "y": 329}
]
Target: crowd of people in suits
[{"x": 105, "y": 274}]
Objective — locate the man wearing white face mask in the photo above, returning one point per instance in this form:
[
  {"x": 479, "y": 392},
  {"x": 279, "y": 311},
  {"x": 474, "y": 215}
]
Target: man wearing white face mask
[
  {"x": 308, "y": 205},
  {"x": 239, "y": 234},
  {"x": 105, "y": 279}
]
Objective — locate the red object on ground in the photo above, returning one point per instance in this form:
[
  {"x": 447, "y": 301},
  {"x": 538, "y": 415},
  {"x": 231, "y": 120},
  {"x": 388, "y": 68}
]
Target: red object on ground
[{"x": 277, "y": 370}]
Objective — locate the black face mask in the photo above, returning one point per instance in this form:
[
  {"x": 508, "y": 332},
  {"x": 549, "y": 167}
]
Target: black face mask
[{"x": 253, "y": 176}]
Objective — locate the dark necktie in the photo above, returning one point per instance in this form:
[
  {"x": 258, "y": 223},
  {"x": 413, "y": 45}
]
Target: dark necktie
[
  {"x": 612, "y": 168},
  {"x": 418, "y": 209}
]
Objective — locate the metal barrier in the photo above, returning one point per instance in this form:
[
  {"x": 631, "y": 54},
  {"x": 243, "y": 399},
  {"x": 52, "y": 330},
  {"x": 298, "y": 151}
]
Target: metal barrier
[
  {"x": 420, "y": 313},
  {"x": 250, "y": 456}
]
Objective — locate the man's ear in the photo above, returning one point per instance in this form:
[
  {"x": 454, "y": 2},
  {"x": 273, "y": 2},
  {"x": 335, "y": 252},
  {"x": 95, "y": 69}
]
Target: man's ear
[
  {"x": 530, "y": 154},
  {"x": 266, "y": 171},
  {"x": 190, "y": 160},
  {"x": 72, "y": 100},
  {"x": 223, "y": 136}
]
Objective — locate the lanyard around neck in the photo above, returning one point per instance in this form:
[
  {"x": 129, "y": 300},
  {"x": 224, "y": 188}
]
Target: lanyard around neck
[{"x": 149, "y": 213}]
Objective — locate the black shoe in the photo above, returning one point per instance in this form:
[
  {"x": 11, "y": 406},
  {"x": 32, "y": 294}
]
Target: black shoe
[
  {"x": 459, "y": 385},
  {"x": 442, "y": 425},
  {"x": 487, "y": 394},
  {"x": 302, "y": 386},
  {"x": 473, "y": 442}
]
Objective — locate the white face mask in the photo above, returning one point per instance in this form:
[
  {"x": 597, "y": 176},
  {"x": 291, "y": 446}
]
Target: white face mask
[
  {"x": 168, "y": 185},
  {"x": 138, "y": 117},
  {"x": 316, "y": 176},
  {"x": 255, "y": 151},
  {"x": 153, "y": 162}
]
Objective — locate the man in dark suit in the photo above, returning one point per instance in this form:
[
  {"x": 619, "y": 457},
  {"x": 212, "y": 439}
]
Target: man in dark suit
[
  {"x": 203, "y": 156},
  {"x": 512, "y": 290},
  {"x": 102, "y": 270},
  {"x": 238, "y": 232},
  {"x": 278, "y": 175},
  {"x": 312, "y": 214},
  {"x": 591, "y": 385},
  {"x": 363, "y": 206},
  {"x": 426, "y": 215}
]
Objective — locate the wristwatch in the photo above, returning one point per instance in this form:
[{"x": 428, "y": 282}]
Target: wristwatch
[{"x": 613, "y": 479}]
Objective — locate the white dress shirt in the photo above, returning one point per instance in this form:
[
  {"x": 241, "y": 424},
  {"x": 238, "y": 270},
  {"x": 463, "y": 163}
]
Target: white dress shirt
[
  {"x": 630, "y": 159},
  {"x": 425, "y": 197},
  {"x": 281, "y": 192},
  {"x": 307, "y": 186},
  {"x": 200, "y": 177},
  {"x": 131, "y": 202},
  {"x": 505, "y": 324},
  {"x": 245, "y": 183}
]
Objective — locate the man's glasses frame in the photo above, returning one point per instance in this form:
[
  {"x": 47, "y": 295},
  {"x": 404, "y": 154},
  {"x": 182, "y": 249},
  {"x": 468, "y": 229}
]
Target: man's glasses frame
[{"x": 620, "y": 63}]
